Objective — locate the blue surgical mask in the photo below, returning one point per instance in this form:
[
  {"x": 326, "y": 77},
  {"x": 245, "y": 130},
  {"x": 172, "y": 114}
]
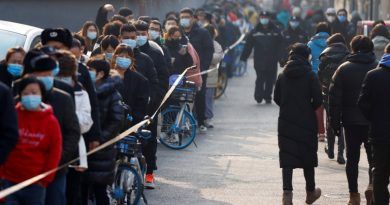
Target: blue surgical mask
[
  {"x": 123, "y": 63},
  {"x": 154, "y": 34},
  {"x": 342, "y": 18},
  {"x": 31, "y": 102},
  {"x": 185, "y": 22},
  {"x": 67, "y": 80},
  {"x": 130, "y": 42},
  {"x": 93, "y": 75},
  {"x": 91, "y": 35},
  {"x": 48, "y": 81},
  {"x": 141, "y": 40},
  {"x": 56, "y": 70},
  {"x": 15, "y": 70},
  {"x": 108, "y": 56},
  {"x": 264, "y": 21},
  {"x": 294, "y": 24}
]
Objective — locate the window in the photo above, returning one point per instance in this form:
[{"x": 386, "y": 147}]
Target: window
[{"x": 10, "y": 40}]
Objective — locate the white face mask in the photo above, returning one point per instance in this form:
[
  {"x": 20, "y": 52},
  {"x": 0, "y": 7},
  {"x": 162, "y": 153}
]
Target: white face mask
[{"x": 331, "y": 19}]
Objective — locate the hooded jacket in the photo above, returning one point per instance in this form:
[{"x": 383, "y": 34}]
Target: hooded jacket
[
  {"x": 380, "y": 43},
  {"x": 374, "y": 101},
  {"x": 345, "y": 88},
  {"x": 298, "y": 94},
  {"x": 102, "y": 164},
  {"x": 317, "y": 44},
  {"x": 330, "y": 59},
  {"x": 38, "y": 149}
]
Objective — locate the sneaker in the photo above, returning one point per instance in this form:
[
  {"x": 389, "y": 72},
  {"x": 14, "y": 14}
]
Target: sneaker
[
  {"x": 149, "y": 182},
  {"x": 209, "y": 124},
  {"x": 202, "y": 128}
]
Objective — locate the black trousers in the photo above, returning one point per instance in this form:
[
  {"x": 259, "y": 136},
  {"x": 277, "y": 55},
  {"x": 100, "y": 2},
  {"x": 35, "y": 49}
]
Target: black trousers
[
  {"x": 265, "y": 82},
  {"x": 381, "y": 172},
  {"x": 355, "y": 136},
  {"x": 73, "y": 180},
  {"x": 149, "y": 149},
  {"x": 309, "y": 174},
  {"x": 200, "y": 103},
  {"x": 330, "y": 133},
  {"x": 95, "y": 192}
]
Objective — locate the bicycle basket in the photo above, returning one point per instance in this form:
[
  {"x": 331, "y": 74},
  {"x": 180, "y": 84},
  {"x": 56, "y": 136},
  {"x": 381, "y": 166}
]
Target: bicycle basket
[
  {"x": 128, "y": 146},
  {"x": 185, "y": 93}
]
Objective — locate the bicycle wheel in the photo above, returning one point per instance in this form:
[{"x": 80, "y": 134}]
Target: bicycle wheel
[
  {"x": 177, "y": 136},
  {"x": 127, "y": 187},
  {"x": 221, "y": 86}
]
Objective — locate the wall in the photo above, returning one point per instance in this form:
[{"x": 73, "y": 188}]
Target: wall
[{"x": 73, "y": 13}]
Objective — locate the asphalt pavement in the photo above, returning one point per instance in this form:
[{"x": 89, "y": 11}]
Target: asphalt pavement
[{"x": 237, "y": 161}]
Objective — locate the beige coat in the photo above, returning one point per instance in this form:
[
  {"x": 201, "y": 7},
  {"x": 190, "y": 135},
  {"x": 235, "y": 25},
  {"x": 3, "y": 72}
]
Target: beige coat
[{"x": 212, "y": 77}]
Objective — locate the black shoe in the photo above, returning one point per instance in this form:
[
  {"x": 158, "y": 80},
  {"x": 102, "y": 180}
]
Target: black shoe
[
  {"x": 329, "y": 153},
  {"x": 259, "y": 101},
  {"x": 268, "y": 102},
  {"x": 340, "y": 159}
]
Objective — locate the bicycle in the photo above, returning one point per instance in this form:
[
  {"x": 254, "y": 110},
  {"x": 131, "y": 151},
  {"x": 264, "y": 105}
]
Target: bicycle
[
  {"x": 177, "y": 124},
  {"x": 222, "y": 81},
  {"x": 128, "y": 185}
]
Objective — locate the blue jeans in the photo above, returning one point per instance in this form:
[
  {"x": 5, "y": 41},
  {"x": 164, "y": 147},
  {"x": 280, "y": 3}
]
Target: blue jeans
[
  {"x": 30, "y": 195},
  {"x": 56, "y": 191},
  {"x": 209, "y": 111}
]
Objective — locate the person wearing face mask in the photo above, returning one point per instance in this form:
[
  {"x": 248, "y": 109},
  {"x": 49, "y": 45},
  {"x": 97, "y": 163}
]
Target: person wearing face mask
[
  {"x": 11, "y": 68},
  {"x": 201, "y": 40},
  {"x": 33, "y": 155},
  {"x": 297, "y": 132},
  {"x": 169, "y": 23},
  {"x": 343, "y": 26},
  {"x": 41, "y": 66},
  {"x": 90, "y": 32},
  {"x": 62, "y": 39},
  {"x": 155, "y": 32},
  {"x": 101, "y": 165},
  {"x": 68, "y": 69},
  {"x": 293, "y": 34},
  {"x": 265, "y": 36}
]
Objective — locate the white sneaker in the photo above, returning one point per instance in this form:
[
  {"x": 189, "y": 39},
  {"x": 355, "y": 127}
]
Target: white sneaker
[
  {"x": 202, "y": 128},
  {"x": 209, "y": 123}
]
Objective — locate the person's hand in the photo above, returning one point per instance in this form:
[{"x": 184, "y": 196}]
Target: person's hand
[
  {"x": 93, "y": 145},
  {"x": 109, "y": 8},
  {"x": 80, "y": 169},
  {"x": 183, "y": 50}
]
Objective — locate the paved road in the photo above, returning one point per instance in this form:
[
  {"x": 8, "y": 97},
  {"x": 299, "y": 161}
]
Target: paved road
[{"x": 237, "y": 162}]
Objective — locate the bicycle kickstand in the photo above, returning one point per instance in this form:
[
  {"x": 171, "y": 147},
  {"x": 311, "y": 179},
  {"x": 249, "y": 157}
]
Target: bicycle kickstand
[
  {"x": 195, "y": 143},
  {"x": 144, "y": 199}
]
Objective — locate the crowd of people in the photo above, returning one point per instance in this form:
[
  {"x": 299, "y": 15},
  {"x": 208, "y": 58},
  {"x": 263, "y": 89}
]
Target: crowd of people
[{"x": 76, "y": 91}]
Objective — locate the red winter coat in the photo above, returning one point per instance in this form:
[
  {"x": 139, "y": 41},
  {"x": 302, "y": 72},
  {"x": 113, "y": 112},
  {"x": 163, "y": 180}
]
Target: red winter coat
[{"x": 38, "y": 149}]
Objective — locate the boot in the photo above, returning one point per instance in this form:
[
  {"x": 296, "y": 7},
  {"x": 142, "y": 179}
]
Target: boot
[
  {"x": 287, "y": 198},
  {"x": 329, "y": 152},
  {"x": 354, "y": 199},
  {"x": 369, "y": 194},
  {"x": 340, "y": 159},
  {"x": 312, "y": 196}
]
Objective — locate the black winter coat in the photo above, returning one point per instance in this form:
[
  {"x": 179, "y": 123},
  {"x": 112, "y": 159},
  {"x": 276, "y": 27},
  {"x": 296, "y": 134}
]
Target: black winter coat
[
  {"x": 9, "y": 132},
  {"x": 201, "y": 39},
  {"x": 291, "y": 36},
  {"x": 161, "y": 68},
  {"x": 102, "y": 164},
  {"x": 298, "y": 94},
  {"x": 267, "y": 44},
  {"x": 85, "y": 79},
  {"x": 135, "y": 93},
  {"x": 65, "y": 112},
  {"x": 345, "y": 89},
  {"x": 330, "y": 59},
  {"x": 180, "y": 61},
  {"x": 374, "y": 103},
  {"x": 167, "y": 54}
]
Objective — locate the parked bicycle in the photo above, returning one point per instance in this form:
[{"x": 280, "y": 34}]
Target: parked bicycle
[
  {"x": 128, "y": 185},
  {"x": 177, "y": 124}
]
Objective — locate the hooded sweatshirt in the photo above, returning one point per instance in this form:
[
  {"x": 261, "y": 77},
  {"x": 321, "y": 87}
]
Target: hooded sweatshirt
[
  {"x": 317, "y": 44},
  {"x": 38, "y": 149}
]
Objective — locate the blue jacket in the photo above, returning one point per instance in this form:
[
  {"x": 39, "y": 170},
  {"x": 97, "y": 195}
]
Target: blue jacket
[{"x": 317, "y": 44}]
